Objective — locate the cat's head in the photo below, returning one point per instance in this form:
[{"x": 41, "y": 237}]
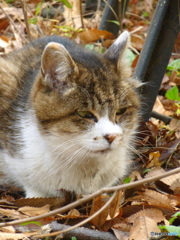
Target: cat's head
[{"x": 89, "y": 97}]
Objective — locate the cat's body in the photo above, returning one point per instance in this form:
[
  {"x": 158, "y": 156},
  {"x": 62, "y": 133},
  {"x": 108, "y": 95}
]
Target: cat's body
[{"x": 67, "y": 117}]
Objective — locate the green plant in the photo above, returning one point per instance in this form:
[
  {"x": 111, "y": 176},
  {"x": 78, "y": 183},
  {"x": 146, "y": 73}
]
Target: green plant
[
  {"x": 174, "y": 66},
  {"x": 172, "y": 230},
  {"x": 173, "y": 94}
]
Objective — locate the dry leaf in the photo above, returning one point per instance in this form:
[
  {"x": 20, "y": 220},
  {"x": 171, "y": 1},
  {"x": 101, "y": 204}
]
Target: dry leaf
[
  {"x": 152, "y": 213},
  {"x": 137, "y": 42},
  {"x": 40, "y": 202},
  {"x": 153, "y": 197},
  {"x": 176, "y": 187},
  {"x": 98, "y": 203},
  {"x": 171, "y": 179},
  {"x": 125, "y": 227},
  {"x": 142, "y": 228},
  {"x": 114, "y": 206},
  {"x": 73, "y": 213},
  {"x": 93, "y": 35},
  {"x": 155, "y": 172},
  {"x": 15, "y": 236},
  {"x": 10, "y": 213},
  {"x": 120, "y": 234},
  {"x": 7, "y": 229},
  {"x": 34, "y": 211},
  {"x": 154, "y": 159}
]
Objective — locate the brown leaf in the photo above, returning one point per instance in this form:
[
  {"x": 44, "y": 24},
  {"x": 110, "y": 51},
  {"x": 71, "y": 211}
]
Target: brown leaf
[
  {"x": 142, "y": 228},
  {"x": 120, "y": 234},
  {"x": 15, "y": 236},
  {"x": 176, "y": 187},
  {"x": 98, "y": 203},
  {"x": 93, "y": 35},
  {"x": 154, "y": 159},
  {"x": 152, "y": 213},
  {"x": 4, "y": 24},
  {"x": 40, "y": 202},
  {"x": 137, "y": 42},
  {"x": 34, "y": 211},
  {"x": 114, "y": 206},
  {"x": 153, "y": 197},
  {"x": 125, "y": 227},
  {"x": 155, "y": 172},
  {"x": 170, "y": 179},
  {"x": 11, "y": 214}
]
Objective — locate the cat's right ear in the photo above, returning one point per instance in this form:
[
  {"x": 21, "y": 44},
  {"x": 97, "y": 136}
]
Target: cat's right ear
[{"x": 58, "y": 68}]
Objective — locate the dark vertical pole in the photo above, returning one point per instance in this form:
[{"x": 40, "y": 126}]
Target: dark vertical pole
[
  {"x": 157, "y": 50},
  {"x": 109, "y": 15}
]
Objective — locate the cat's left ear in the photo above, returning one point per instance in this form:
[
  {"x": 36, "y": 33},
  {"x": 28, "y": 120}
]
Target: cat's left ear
[
  {"x": 58, "y": 68},
  {"x": 117, "y": 55},
  {"x": 116, "y": 50}
]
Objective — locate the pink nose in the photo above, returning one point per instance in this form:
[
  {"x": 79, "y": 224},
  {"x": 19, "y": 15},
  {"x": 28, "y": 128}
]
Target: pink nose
[{"x": 110, "y": 137}]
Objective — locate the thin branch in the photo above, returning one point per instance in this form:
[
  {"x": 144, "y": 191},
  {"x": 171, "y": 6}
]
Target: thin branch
[
  {"x": 26, "y": 19},
  {"x": 81, "y": 223},
  {"x": 91, "y": 196}
]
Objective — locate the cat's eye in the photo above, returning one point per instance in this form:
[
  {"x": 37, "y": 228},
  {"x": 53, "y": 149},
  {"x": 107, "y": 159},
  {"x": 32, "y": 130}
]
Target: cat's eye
[
  {"x": 121, "y": 111},
  {"x": 86, "y": 114}
]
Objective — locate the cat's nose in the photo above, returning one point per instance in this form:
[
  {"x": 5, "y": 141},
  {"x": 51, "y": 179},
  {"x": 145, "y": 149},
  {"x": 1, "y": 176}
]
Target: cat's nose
[{"x": 110, "y": 137}]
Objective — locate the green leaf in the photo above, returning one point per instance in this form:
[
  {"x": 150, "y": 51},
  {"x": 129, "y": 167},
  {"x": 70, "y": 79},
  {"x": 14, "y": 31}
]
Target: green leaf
[
  {"x": 174, "y": 65},
  {"x": 146, "y": 170},
  {"x": 73, "y": 238},
  {"x": 33, "y": 20},
  {"x": 10, "y": 1},
  {"x": 113, "y": 21},
  {"x": 66, "y": 3},
  {"x": 37, "y": 223},
  {"x": 173, "y": 94},
  {"x": 38, "y": 8},
  {"x": 130, "y": 56},
  {"x": 127, "y": 180},
  {"x": 173, "y": 230},
  {"x": 174, "y": 216}
]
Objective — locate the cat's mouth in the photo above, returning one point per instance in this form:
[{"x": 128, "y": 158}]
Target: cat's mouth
[{"x": 104, "y": 151}]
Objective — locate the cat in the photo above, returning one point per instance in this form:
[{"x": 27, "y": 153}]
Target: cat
[{"x": 68, "y": 116}]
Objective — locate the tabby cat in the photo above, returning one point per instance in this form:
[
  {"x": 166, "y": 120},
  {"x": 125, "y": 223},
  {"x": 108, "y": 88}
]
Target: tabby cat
[{"x": 68, "y": 116}]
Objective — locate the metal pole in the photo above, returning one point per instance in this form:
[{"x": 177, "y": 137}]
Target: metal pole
[{"x": 156, "y": 51}]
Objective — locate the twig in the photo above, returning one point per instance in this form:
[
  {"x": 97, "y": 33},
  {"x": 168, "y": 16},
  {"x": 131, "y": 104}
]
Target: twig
[
  {"x": 26, "y": 19},
  {"x": 81, "y": 223},
  {"x": 89, "y": 197}
]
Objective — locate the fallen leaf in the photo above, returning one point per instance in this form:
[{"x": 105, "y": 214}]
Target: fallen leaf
[
  {"x": 152, "y": 213},
  {"x": 121, "y": 235},
  {"x": 142, "y": 228},
  {"x": 93, "y": 35},
  {"x": 34, "y": 211},
  {"x": 98, "y": 203},
  {"x": 114, "y": 206}
]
